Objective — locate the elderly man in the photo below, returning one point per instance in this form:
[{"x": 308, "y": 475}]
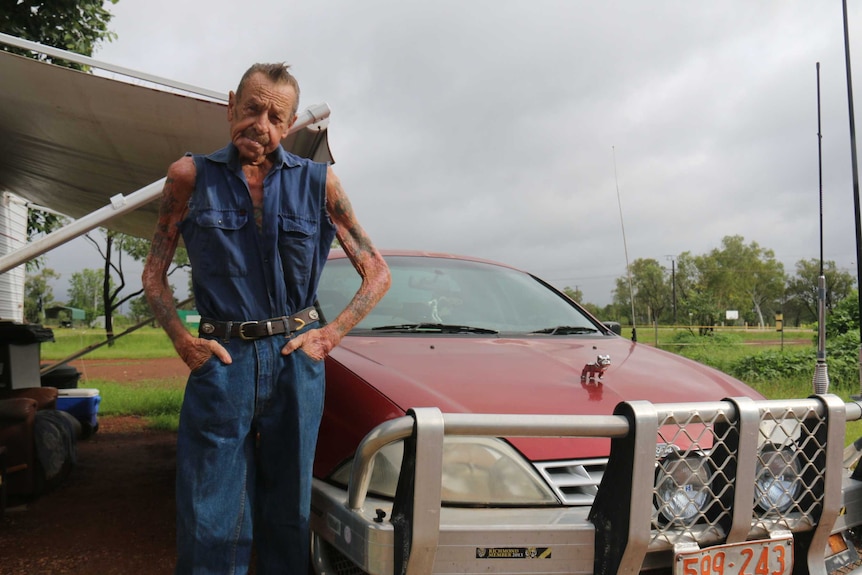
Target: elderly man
[{"x": 257, "y": 222}]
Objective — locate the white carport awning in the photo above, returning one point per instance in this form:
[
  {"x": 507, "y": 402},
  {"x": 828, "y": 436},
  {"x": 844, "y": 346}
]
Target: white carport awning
[{"x": 70, "y": 140}]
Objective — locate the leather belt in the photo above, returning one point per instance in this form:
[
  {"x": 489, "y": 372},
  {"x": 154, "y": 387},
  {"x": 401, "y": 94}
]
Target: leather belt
[{"x": 257, "y": 329}]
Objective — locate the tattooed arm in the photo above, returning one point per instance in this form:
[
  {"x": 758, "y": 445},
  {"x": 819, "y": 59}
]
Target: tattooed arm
[
  {"x": 368, "y": 263},
  {"x": 179, "y": 185}
]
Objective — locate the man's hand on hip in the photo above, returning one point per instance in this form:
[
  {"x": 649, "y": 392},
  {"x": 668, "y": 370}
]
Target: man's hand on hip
[
  {"x": 315, "y": 343},
  {"x": 199, "y": 350}
]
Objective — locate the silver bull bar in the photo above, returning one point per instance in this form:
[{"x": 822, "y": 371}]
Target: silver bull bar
[{"x": 623, "y": 532}]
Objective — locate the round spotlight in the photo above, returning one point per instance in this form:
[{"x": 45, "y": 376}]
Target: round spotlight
[
  {"x": 776, "y": 481},
  {"x": 682, "y": 487}
]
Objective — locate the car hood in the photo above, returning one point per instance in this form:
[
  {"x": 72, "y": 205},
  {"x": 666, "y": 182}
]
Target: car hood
[{"x": 534, "y": 375}]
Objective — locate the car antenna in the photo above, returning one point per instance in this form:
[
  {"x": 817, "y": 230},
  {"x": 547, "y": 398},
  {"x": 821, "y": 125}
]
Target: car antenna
[
  {"x": 821, "y": 374},
  {"x": 855, "y": 169},
  {"x": 625, "y": 247}
]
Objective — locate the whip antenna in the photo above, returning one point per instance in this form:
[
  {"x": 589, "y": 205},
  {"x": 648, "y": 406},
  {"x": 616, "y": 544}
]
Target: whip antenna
[
  {"x": 821, "y": 374},
  {"x": 854, "y": 164},
  {"x": 625, "y": 247}
]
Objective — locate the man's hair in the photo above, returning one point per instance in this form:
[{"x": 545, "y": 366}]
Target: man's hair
[{"x": 278, "y": 73}]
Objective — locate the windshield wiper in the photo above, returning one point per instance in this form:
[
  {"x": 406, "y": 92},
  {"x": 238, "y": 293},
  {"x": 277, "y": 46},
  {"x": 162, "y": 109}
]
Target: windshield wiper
[
  {"x": 566, "y": 330},
  {"x": 440, "y": 327}
]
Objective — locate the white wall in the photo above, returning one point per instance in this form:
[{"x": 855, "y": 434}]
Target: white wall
[{"x": 13, "y": 235}]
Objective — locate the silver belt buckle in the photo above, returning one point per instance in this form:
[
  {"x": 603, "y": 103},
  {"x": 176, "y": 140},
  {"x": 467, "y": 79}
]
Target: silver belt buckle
[{"x": 242, "y": 330}]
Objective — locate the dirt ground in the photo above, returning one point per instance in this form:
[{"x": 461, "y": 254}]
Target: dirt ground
[{"x": 114, "y": 514}]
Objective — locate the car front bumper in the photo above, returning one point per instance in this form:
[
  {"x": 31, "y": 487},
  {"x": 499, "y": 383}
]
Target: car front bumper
[{"x": 622, "y": 532}]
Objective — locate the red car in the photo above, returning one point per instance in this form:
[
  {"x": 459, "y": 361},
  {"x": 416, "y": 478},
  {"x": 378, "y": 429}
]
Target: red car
[{"x": 527, "y": 385}]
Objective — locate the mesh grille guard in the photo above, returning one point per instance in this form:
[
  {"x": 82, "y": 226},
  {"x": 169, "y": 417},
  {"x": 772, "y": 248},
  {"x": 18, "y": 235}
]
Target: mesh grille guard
[{"x": 735, "y": 440}]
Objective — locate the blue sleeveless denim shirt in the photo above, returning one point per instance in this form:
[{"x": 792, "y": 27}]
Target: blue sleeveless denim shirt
[{"x": 241, "y": 272}]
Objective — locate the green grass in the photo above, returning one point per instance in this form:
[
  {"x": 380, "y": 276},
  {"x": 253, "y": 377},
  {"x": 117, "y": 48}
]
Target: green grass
[
  {"x": 158, "y": 401},
  {"x": 145, "y": 343},
  {"x": 663, "y": 335}
]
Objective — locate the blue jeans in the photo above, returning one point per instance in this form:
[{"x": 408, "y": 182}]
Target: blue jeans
[{"x": 245, "y": 450}]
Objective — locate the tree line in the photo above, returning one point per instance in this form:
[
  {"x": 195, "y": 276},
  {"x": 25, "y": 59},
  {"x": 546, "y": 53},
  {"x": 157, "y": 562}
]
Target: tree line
[{"x": 699, "y": 290}]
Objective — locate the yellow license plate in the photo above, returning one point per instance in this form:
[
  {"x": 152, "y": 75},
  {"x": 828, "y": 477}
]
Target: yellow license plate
[{"x": 763, "y": 557}]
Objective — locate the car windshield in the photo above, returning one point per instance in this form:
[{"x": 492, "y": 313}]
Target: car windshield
[{"x": 445, "y": 295}]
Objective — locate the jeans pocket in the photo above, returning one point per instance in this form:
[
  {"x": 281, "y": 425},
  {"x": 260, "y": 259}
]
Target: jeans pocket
[
  {"x": 205, "y": 366},
  {"x": 308, "y": 357}
]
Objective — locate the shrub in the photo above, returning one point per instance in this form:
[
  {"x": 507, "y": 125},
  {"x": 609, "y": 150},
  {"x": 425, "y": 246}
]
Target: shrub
[
  {"x": 771, "y": 364},
  {"x": 714, "y": 349}
]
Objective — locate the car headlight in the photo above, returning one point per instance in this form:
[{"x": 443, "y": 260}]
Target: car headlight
[
  {"x": 682, "y": 487},
  {"x": 776, "y": 482},
  {"x": 476, "y": 471}
]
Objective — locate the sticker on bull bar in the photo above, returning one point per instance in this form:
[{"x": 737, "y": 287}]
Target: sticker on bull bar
[{"x": 513, "y": 552}]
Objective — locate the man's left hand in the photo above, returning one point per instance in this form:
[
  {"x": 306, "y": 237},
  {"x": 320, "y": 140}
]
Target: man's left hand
[{"x": 315, "y": 343}]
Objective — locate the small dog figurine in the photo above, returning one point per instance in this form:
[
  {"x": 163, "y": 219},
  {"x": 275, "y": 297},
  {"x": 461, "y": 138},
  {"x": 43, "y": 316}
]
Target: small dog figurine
[{"x": 596, "y": 370}]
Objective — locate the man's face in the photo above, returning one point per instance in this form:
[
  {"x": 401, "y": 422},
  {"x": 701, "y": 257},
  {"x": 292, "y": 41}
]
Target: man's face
[{"x": 260, "y": 118}]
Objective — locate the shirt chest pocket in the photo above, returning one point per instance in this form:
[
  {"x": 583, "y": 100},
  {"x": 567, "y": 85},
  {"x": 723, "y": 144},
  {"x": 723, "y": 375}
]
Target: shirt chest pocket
[
  {"x": 296, "y": 245},
  {"x": 221, "y": 239}
]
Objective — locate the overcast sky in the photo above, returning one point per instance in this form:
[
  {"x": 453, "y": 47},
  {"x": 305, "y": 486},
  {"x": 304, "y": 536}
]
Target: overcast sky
[{"x": 522, "y": 131}]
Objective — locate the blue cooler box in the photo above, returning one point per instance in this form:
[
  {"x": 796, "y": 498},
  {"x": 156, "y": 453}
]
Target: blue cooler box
[{"x": 83, "y": 404}]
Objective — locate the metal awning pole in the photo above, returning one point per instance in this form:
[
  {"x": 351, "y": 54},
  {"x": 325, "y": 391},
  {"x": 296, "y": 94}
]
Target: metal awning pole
[
  {"x": 121, "y": 204},
  {"x": 93, "y": 63}
]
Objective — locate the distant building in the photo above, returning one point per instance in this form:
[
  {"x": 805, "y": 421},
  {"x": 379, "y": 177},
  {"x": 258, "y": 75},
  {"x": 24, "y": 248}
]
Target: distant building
[{"x": 67, "y": 316}]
